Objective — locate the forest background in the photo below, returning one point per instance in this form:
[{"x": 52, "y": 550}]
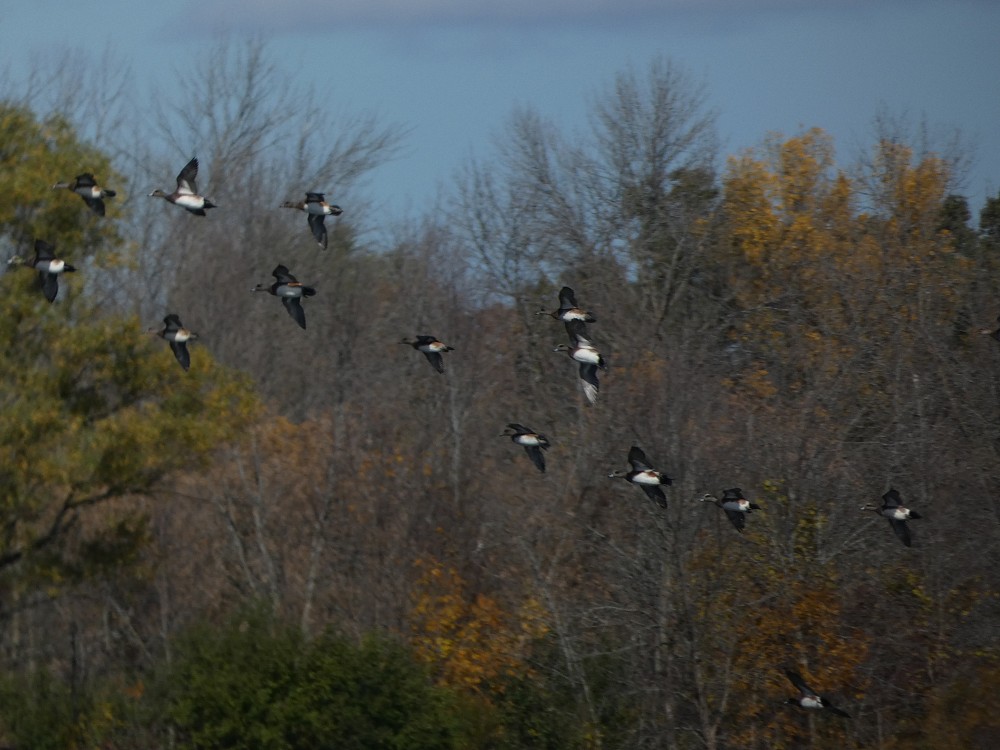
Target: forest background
[{"x": 312, "y": 539}]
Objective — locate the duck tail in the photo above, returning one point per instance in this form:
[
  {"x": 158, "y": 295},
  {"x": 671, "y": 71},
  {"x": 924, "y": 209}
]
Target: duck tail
[
  {"x": 109, "y": 193},
  {"x": 308, "y": 291}
]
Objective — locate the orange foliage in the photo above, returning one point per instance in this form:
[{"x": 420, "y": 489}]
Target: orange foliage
[
  {"x": 470, "y": 640},
  {"x": 788, "y": 614}
]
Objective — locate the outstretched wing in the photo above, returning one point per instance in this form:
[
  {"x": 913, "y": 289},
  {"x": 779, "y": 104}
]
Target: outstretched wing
[
  {"x": 577, "y": 331},
  {"x": 44, "y": 251},
  {"x": 655, "y": 493},
  {"x": 891, "y": 499},
  {"x": 902, "y": 531},
  {"x": 796, "y": 679},
  {"x": 294, "y": 308},
  {"x": 49, "y": 283},
  {"x": 537, "y": 457},
  {"x": 588, "y": 379},
  {"x": 180, "y": 351},
  {"x": 738, "y": 519},
  {"x": 282, "y": 274},
  {"x": 638, "y": 459},
  {"x": 186, "y": 178},
  {"x": 318, "y": 228},
  {"x": 567, "y": 299},
  {"x": 436, "y": 360}
]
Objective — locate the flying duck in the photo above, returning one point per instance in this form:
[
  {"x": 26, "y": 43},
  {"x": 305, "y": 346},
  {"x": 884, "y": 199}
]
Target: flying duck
[
  {"x": 643, "y": 475},
  {"x": 87, "y": 188},
  {"x": 567, "y": 309},
  {"x": 809, "y": 698},
  {"x": 532, "y": 442},
  {"x": 291, "y": 292},
  {"x": 893, "y": 509},
  {"x": 178, "y": 336},
  {"x": 432, "y": 349},
  {"x": 318, "y": 209},
  {"x": 48, "y": 266},
  {"x": 584, "y": 352},
  {"x": 735, "y": 504},
  {"x": 186, "y": 195}
]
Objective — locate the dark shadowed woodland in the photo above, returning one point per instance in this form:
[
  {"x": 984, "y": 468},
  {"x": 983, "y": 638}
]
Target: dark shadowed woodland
[{"x": 313, "y": 539}]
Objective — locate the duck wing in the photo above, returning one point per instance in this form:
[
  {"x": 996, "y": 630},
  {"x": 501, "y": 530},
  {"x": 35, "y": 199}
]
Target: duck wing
[
  {"x": 738, "y": 519},
  {"x": 577, "y": 331},
  {"x": 187, "y": 178},
  {"x": 830, "y": 707},
  {"x": 537, "y": 457},
  {"x": 282, "y": 274},
  {"x": 318, "y": 228},
  {"x": 49, "y": 283},
  {"x": 796, "y": 679},
  {"x": 44, "y": 251},
  {"x": 638, "y": 459},
  {"x": 180, "y": 350},
  {"x": 436, "y": 360},
  {"x": 902, "y": 531},
  {"x": 891, "y": 499},
  {"x": 655, "y": 492},
  {"x": 567, "y": 299},
  {"x": 96, "y": 204},
  {"x": 294, "y": 308},
  {"x": 588, "y": 379}
]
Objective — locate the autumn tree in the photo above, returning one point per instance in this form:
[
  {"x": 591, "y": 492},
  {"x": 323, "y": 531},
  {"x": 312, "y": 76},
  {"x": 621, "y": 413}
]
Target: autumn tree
[{"x": 97, "y": 415}]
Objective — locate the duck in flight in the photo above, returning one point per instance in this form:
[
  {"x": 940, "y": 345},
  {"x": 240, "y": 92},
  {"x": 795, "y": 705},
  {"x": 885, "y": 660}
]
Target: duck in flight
[
  {"x": 290, "y": 290},
  {"x": 892, "y": 508},
  {"x": 431, "y": 347},
  {"x": 186, "y": 195},
  {"x": 87, "y": 188},
  {"x": 809, "y": 698},
  {"x": 583, "y": 351},
  {"x": 568, "y": 309},
  {"x": 48, "y": 266},
  {"x": 318, "y": 209},
  {"x": 735, "y": 504},
  {"x": 643, "y": 475},
  {"x": 532, "y": 442},
  {"x": 178, "y": 336}
]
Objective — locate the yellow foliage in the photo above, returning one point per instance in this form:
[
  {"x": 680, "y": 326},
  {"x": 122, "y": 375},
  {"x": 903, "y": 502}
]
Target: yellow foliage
[
  {"x": 812, "y": 274},
  {"x": 469, "y": 639}
]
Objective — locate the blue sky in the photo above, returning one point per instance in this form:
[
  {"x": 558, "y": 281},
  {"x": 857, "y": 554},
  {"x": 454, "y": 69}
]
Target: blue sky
[{"x": 452, "y": 71}]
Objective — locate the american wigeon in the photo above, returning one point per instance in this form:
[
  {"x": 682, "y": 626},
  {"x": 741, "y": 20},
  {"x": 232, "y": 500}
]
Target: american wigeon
[
  {"x": 643, "y": 475},
  {"x": 568, "y": 309},
  {"x": 432, "y": 349},
  {"x": 178, "y": 336},
  {"x": 809, "y": 698},
  {"x": 186, "y": 195},
  {"x": 583, "y": 351},
  {"x": 87, "y": 188},
  {"x": 532, "y": 442},
  {"x": 735, "y": 504},
  {"x": 48, "y": 266},
  {"x": 897, "y": 514},
  {"x": 290, "y": 290},
  {"x": 318, "y": 209}
]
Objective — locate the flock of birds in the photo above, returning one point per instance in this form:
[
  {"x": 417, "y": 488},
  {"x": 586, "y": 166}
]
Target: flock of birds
[
  {"x": 580, "y": 349},
  {"x": 186, "y": 195},
  {"x": 733, "y": 502}
]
